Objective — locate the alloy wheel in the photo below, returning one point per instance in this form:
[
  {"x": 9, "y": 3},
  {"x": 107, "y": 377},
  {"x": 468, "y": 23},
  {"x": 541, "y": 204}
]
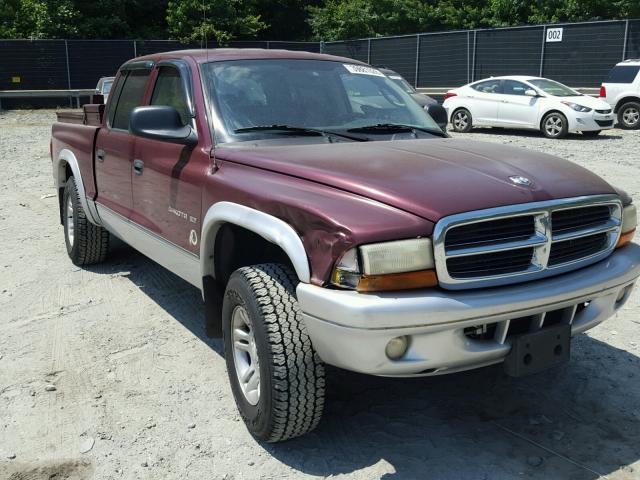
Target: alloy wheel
[
  {"x": 631, "y": 116},
  {"x": 245, "y": 355},
  {"x": 553, "y": 126},
  {"x": 70, "y": 231},
  {"x": 460, "y": 120}
]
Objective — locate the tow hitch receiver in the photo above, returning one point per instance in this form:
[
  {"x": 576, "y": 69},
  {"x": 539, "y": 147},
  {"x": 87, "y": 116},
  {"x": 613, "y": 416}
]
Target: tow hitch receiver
[{"x": 537, "y": 351}]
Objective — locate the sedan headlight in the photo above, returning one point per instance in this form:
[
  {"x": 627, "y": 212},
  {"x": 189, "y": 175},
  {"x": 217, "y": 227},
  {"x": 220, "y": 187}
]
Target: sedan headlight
[
  {"x": 629, "y": 224},
  {"x": 398, "y": 265},
  {"x": 577, "y": 108}
]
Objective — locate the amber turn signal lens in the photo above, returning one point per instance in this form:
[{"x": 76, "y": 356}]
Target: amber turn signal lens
[
  {"x": 625, "y": 238},
  {"x": 398, "y": 281}
]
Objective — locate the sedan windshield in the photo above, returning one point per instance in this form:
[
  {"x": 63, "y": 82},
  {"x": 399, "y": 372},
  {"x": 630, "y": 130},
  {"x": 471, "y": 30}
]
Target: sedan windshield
[
  {"x": 554, "y": 88},
  {"x": 258, "y": 99}
]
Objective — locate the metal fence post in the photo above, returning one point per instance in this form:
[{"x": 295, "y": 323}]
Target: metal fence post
[
  {"x": 135, "y": 48},
  {"x": 66, "y": 50},
  {"x": 368, "y": 50},
  {"x": 468, "y": 55},
  {"x": 268, "y": 44},
  {"x": 473, "y": 61},
  {"x": 542, "y": 48},
  {"x": 626, "y": 36},
  {"x": 415, "y": 83}
]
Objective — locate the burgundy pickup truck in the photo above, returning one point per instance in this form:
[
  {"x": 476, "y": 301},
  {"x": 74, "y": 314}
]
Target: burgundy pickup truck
[{"x": 328, "y": 220}]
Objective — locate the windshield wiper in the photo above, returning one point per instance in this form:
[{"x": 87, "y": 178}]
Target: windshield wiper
[
  {"x": 297, "y": 130},
  {"x": 396, "y": 127}
]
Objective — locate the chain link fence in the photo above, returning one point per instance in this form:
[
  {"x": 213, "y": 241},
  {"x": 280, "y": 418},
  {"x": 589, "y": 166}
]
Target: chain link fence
[{"x": 581, "y": 57}]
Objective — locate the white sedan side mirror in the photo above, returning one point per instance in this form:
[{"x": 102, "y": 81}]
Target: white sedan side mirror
[{"x": 530, "y": 92}]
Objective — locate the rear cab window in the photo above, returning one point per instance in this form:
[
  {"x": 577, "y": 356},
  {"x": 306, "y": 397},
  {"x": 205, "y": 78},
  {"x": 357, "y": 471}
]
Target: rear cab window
[
  {"x": 128, "y": 95},
  {"x": 623, "y": 74}
]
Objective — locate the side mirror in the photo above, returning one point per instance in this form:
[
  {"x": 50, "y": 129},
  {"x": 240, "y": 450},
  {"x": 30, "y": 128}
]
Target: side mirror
[
  {"x": 439, "y": 115},
  {"x": 161, "y": 122},
  {"x": 530, "y": 92}
]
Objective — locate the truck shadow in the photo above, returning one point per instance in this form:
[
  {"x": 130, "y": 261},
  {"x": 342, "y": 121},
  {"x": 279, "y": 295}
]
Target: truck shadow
[{"x": 579, "y": 421}]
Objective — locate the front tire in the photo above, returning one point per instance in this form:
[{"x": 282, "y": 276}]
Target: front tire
[
  {"x": 629, "y": 116},
  {"x": 86, "y": 243},
  {"x": 462, "y": 121},
  {"x": 276, "y": 377},
  {"x": 555, "y": 125}
]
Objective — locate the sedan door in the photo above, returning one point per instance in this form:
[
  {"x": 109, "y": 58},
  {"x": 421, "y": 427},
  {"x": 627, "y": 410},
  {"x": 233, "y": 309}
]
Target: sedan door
[
  {"x": 484, "y": 98},
  {"x": 517, "y": 109}
]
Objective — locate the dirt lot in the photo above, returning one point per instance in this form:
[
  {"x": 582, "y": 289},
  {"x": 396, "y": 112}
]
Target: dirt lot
[{"x": 106, "y": 372}]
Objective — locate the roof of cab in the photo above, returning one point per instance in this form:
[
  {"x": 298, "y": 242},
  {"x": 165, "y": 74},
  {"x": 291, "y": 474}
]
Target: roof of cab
[{"x": 220, "y": 54}]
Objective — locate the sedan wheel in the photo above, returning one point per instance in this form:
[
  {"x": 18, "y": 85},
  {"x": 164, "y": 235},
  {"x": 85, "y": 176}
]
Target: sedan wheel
[
  {"x": 554, "y": 125},
  {"x": 461, "y": 120}
]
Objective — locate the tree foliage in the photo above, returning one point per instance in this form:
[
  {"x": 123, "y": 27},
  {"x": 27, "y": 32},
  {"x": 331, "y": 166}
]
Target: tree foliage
[
  {"x": 285, "y": 19},
  {"x": 221, "y": 20}
]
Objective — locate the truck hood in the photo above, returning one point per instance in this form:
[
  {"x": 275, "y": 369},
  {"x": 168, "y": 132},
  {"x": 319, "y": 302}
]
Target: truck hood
[{"x": 430, "y": 178}]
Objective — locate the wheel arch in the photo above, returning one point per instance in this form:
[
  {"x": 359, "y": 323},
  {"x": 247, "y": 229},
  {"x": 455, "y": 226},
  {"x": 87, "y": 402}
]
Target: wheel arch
[
  {"x": 266, "y": 226},
  {"x": 65, "y": 166},
  {"x": 625, "y": 99}
]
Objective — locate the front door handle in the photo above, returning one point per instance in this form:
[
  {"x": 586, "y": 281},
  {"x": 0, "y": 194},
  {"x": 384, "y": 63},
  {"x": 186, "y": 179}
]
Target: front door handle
[
  {"x": 138, "y": 166},
  {"x": 100, "y": 155}
]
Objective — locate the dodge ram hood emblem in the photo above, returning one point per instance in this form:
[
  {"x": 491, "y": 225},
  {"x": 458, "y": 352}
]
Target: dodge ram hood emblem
[{"x": 518, "y": 180}]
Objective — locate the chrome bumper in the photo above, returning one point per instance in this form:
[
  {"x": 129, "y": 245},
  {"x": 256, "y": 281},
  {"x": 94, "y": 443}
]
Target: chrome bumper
[{"x": 351, "y": 330}]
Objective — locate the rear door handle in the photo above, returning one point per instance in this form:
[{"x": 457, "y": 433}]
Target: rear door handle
[
  {"x": 100, "y": 155},
  {"x": 138, "y": 166}
]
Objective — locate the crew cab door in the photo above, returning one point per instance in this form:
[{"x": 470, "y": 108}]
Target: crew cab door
[
  {"x": 484, "y": 100},
  {"x": 115, "y": 145},
  {"x": 167, "y": 177},
  {"x": 516, "y": 108}
]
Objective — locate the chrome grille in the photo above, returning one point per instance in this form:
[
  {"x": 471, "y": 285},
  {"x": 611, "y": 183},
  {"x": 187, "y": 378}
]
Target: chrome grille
[
  {"x": 523, "y": 242},
  {"x": 605, "y": 112}
]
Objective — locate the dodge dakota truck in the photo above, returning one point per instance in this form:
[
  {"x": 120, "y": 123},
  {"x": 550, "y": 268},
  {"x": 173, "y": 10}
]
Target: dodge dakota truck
[{"x": 327, "y": 220}]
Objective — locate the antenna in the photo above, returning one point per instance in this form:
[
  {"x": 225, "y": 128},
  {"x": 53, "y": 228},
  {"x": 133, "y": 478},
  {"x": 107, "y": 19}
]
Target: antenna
[{"x": 204, "y": 30}]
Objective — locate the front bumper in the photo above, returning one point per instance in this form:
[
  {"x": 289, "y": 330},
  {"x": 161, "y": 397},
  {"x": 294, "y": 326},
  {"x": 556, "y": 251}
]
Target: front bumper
[
  {"x": 351, "y": 330},
  {"x": 582, "y": 122}
]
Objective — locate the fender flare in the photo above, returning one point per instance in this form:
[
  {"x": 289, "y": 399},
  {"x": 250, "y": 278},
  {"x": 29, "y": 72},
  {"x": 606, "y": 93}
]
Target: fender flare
[
  {"x": 67, "y": 157},
  {"x": 267, "y": 226}
]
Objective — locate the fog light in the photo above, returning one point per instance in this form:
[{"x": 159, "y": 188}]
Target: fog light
[{"x": 397, "y": 347}]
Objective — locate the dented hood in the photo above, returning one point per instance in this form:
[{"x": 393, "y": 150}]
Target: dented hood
[{"x": 431, "y": 178}]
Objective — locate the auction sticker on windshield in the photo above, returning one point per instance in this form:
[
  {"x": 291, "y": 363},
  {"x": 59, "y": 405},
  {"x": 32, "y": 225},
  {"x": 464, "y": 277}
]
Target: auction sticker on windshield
[{"x": 363, "y": 70}]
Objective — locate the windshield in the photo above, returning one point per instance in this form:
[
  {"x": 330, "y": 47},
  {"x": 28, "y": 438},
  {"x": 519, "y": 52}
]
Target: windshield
[
  {"x": 106, "y": 87},
  {"x": 313, "y": 94},
  {"x": 554, "y": 88},
  {"x": 402, "y": 83}
]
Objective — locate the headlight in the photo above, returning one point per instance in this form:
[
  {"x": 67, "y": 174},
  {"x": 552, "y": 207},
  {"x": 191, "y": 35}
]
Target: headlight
[
  {"x": 399, "y": 265},
  {"x": 629, "y": 224},
  {"x": 577, "y": 108}
]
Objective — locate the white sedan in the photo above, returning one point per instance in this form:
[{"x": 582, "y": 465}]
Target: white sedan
[{"x": 526, "y": 102}]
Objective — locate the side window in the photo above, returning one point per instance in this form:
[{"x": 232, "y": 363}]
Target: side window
[
  {"x": 130, "y": 98},
  {"x": 511, "y": 87},
  {"x": 170, "y": 92},
  {"x": 488, "y": 86},
  {"x": 623, "y": 74},
  {"x": 113, "y": 101}
]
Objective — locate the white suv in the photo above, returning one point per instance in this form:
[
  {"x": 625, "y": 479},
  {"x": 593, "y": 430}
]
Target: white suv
[{"x": 621, "y": 90}]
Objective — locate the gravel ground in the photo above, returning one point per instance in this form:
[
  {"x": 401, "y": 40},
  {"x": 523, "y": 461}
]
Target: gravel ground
[{"x": 106, "y": 372}]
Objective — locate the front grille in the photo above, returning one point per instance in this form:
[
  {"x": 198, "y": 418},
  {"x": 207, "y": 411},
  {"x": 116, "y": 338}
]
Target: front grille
[
  {"x": 497, "y": 263},
  {"x": 563, "y": 221},
  {"x": 604, "y": 112},
  {"x": 514, "y": 228},
  {"x": 604, "y": 123},
  {"x": 523, "y": 242},
  {"x": 576, "y": 248}
]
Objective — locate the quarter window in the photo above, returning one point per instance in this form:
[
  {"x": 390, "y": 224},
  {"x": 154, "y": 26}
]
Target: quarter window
[
  {"x": 623, "y": 74},
  {"x": 169, "y": 91},
  {"x": 129, "y": 98}
]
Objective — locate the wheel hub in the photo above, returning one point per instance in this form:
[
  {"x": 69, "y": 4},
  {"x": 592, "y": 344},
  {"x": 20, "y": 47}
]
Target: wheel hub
[
  {"x": 245, "y": 355},
  {"x": 631, "y": 116},
  {"x": 553, "y": 126},
  {"x": 70, "y": 222}
]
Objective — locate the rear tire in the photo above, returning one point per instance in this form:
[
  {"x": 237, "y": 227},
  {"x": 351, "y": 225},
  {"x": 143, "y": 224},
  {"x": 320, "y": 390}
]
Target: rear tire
[
  {"x": 86, "y": 243},
  {"x": 462, "y": 121},
  {"x": 554, "y": 125},
  {"x": 629, "y": 116},
  {"x": 276, "y": 377},
  {"x": 591, "y": 133}
]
